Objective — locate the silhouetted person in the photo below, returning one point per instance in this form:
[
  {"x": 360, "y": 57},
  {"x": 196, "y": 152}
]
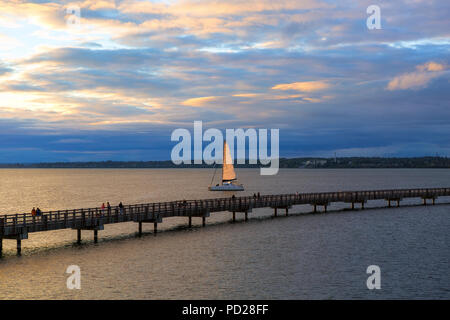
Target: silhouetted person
[{"x": 121, "y": 207}]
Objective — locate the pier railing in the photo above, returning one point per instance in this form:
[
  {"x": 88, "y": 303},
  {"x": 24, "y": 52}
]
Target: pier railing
[{"x": 17, "y": 226}]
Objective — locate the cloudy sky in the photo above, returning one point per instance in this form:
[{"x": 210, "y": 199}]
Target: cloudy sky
[{"x": 115, "y": 82}]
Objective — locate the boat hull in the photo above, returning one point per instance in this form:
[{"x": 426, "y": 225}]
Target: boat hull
[{"x": 227, "y": 187}]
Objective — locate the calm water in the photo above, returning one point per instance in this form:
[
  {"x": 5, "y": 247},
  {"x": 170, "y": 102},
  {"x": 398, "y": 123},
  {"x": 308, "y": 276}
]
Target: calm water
[{"x": 321, "y": 256}]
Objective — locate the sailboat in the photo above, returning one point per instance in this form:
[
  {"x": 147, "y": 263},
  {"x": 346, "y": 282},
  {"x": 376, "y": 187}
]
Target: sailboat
[{"x": 228, "y": 174}]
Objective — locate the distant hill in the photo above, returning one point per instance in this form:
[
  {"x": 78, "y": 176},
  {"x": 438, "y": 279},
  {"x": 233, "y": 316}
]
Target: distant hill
[
  {"x": 348, "y": 162},
  {"x": 366, "y": 162}
]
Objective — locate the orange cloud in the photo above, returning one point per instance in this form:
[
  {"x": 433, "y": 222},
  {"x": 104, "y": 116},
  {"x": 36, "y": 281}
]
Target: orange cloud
[
  {"x": 306, "y": 86},
  {"x": 431, "y": 66},
  {"x": 418, "y": 79},
  {"x": 198, "y": 102}
]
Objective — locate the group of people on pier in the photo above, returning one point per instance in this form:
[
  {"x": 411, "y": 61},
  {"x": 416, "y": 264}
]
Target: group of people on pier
[
  {"x": 36, "y": 212},
  {"x": 108, "y": 207}
]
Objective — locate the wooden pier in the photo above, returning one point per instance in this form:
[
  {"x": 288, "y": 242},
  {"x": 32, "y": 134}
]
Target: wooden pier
[{"x": 18, "y": 226}]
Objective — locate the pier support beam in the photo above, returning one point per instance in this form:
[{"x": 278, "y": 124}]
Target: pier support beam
[
  {"x": 190, "y": 221},
  {"x": 287, "y": 212},
  {"x": 19, "y": 245},
  {"x": 389, "y": 201},
  {"x": 353, "y": 206},
  {"x": 78, "y": 236},
  {"x": 203, "y": 221},
  {"x": 323, "y": 204},
  {"x": 95, "y": 235},
  {"x": 433, "y": 200},
  {"x": 362, "y": 205},
  {"x": 245, "y": 211},
  {"x": 275, "y": 213},
  {"x": 1, "y": 247},
  {"x": 140, "y": 220}
]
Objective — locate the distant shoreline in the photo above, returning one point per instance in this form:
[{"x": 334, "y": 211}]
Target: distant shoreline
[{"x": 285, "y": 163}]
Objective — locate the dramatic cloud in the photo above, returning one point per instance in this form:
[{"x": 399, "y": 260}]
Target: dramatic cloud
[{"x": 130, "y": 71}]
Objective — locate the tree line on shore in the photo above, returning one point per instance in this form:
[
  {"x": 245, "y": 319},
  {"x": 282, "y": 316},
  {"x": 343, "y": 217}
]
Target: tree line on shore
[{"x": 310, "y": 162}]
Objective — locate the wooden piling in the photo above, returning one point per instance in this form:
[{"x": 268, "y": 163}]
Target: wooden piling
[
  {"x": 362, "y": 205},
  {"x": 78, "y": 236},
  {"x": 203, "y": 221},
  {"x": 287, "y": 211},
  {"x": 19, "y": 245},
  {"x": 234, "y": 216},
  {"x": 95, "y": 235},
  {"x": 276, "y": 212},
  {"x": 155, "y": 228},
  {"x": 246, "y": 216},
  {"x": 140, "y": 228},
  {"x": 1, "y": 247},
  {"x": 190, "y": 221}
]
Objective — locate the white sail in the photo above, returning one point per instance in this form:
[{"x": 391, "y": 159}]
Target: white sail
[{"x": 228, "y": 173}]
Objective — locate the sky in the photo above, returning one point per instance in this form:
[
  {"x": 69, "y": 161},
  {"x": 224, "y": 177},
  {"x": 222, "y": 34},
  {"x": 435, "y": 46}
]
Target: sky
[{"x": 115, "y": 80}]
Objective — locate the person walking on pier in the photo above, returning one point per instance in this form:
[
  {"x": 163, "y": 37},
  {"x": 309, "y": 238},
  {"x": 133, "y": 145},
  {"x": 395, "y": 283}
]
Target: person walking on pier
[
  {"x": 38, "y": 212},
  {"x": 108, "y": 206},
  {"x": 33, "y": 212},
  {"x": 121, "y": 207}
]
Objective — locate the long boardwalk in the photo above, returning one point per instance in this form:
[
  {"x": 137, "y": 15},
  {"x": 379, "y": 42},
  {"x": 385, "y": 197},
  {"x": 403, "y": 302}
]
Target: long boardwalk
[{"x": 18, "y": 226}]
